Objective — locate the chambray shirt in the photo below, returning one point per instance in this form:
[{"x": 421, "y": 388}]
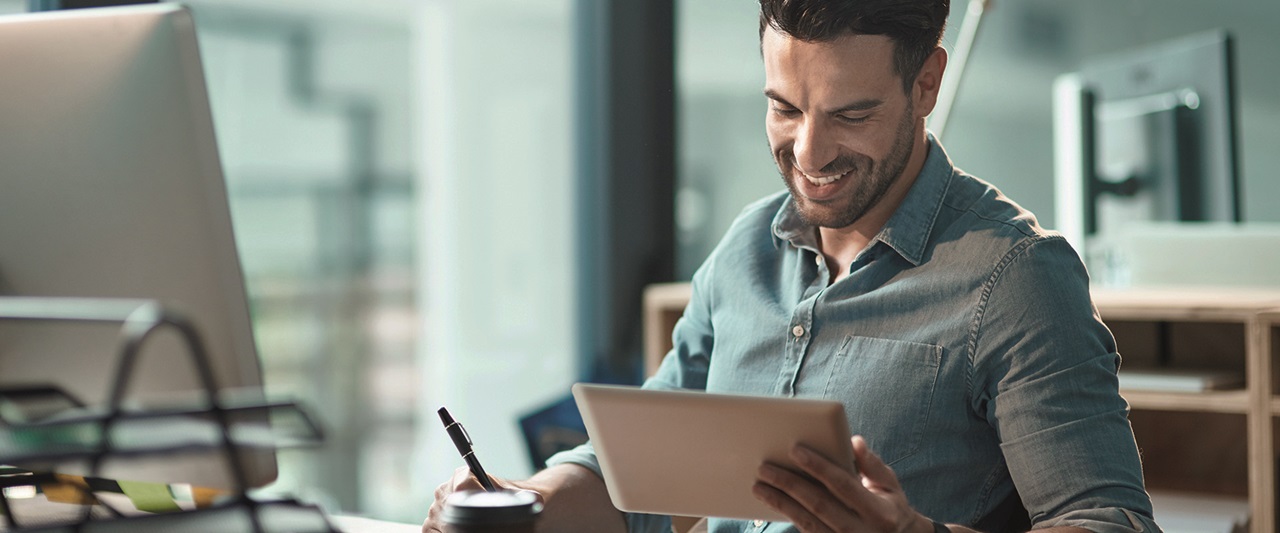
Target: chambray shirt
[{"x": 963, "y": 345}]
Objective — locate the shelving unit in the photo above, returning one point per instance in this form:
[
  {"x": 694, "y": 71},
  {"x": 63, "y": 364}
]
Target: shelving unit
[{"x": 1215, "y": 443}]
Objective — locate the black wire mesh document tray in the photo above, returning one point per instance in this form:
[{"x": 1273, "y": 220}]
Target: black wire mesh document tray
[
  {"x": 687, "y": 453},
  {"x": 45, "y": 429}
]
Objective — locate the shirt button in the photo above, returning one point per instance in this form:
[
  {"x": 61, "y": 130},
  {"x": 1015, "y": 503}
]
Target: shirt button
[
  {"x": 798, "y": 330},
  {"x": 760, "y": 523},
  {"x": 817, "y": 260}
]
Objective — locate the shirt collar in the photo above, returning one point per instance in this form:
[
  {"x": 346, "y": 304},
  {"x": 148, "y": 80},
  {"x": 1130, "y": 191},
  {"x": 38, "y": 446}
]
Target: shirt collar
[{"x": 907, "y": 231}]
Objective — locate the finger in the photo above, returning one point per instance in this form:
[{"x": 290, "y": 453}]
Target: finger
[
  {"x": 779, "y": 501},
  {"x": 460, "y": 481},
  {"x": 878, "y": 501},
  {"x": 845, "y": 485},
  {"x": 463, "y": 479},
  {"x": 872, "y": 466},
  {"x": 537, "y": 496},
  {"x": 814, "y": 499},
  {"x": 434, "y": 521}
]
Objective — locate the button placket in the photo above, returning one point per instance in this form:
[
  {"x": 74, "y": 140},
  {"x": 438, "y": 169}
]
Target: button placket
[{"x": 799, "y": 337}]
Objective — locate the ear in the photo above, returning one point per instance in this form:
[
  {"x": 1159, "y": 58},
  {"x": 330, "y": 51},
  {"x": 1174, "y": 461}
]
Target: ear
[{"x": 928, "y": 82}]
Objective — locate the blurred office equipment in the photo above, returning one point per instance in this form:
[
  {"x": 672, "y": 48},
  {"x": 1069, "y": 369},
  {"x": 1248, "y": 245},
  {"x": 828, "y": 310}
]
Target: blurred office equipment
[
  {"x": 1147, "y": 135},
  {"x": 39, "y": 429},
  {"x": 113, "y": 189},
  {"x": 1186, "y": 253}
]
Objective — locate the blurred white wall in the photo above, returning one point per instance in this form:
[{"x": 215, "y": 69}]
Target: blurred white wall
[{"x": 495, "y": 111}]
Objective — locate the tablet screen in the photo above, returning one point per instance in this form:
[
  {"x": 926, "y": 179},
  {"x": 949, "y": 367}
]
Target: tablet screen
[{"x": 688, "y": 453}]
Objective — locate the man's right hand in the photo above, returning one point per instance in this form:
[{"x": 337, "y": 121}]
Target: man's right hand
[
  {"x": 462, "y": 480},
  {"x": 574, "y": 497}
]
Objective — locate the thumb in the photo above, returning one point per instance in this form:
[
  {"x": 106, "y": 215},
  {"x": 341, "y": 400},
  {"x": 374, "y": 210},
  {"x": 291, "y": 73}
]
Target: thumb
[{"x": 872, "y": 467}]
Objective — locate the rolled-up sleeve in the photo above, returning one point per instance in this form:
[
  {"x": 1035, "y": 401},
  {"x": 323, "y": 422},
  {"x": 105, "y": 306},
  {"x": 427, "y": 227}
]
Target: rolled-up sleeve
[{"x": 1044, "y": 375}]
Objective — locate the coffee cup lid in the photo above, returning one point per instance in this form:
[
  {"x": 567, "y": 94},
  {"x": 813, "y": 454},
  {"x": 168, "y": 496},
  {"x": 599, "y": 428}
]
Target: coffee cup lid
[{"x": 477, "y": 507}]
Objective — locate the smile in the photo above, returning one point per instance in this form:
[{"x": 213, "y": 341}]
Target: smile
[{"x": 823, "y": 180}]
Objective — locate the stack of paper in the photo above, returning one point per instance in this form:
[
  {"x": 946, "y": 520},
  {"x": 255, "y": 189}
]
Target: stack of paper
[
  {"x": 1179, "y": 380},
  {"x": 1200, "y": 513}
]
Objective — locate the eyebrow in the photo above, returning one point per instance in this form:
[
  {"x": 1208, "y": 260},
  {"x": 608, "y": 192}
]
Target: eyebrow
[{"x": 860, "y": 105}]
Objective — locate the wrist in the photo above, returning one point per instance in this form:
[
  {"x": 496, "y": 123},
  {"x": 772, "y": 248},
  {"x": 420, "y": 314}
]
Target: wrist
[
  {"x": 550, "y": 481},
  {"x": 925, "y": 525}
]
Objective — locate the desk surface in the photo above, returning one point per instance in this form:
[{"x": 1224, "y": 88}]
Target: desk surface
[{"x": 355, "y": 524}]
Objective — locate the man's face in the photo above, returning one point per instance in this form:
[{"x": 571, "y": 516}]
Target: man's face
[{"x": 839, "y": 124}]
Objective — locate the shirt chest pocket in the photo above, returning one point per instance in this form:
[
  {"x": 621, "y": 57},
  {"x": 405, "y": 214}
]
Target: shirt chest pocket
[{"x": 887, "y": 388}]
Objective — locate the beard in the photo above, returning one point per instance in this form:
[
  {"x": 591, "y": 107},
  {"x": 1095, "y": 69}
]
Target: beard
[{"x": 872, "y": 179}]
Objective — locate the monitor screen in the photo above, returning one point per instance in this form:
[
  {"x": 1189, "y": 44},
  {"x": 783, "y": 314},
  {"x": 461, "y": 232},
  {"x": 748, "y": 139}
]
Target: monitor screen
[
  {"x": 1148, "y": 135},
  {"x": 112, "y": 188}
]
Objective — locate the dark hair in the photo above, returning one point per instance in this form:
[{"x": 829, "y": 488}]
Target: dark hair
[{"x": 914, "y": 26}]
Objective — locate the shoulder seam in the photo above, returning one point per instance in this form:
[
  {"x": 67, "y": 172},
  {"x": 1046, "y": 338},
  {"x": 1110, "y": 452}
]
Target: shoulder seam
[
  {"x": 1020, "y": 228},
  {"x": 971, "y": 346}
]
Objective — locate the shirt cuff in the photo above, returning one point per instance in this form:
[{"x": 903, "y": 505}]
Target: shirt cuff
[{"x": 1104, "y": 520}]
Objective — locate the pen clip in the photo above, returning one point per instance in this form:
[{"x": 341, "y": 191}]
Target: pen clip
[{"x": 465, "y": 436}]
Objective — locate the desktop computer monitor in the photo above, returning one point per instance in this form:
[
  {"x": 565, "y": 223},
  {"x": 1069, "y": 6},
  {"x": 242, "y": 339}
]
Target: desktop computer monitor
[
  {"x": 112, "y": 188},
  {"x": 1147, "y": 135}
]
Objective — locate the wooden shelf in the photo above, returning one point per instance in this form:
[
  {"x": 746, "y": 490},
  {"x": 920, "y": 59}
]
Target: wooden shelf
[
  {"x": 663, "y": 305},
  {"x": 1189, "y": 304},
  {"x": 1232, "y": 401}
]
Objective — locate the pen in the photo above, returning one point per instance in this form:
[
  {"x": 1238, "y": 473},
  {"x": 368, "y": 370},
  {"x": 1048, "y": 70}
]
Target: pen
[{"x": 462, "y": 440}]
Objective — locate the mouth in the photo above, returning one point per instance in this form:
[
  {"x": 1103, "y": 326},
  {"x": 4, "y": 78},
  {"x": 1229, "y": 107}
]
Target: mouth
[
  {"x": 820, "y": 188},
  {"x": 823, "y": 180}
]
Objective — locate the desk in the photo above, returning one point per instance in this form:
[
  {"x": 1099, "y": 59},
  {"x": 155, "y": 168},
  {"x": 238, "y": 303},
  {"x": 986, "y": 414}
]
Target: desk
[{"x": 355, "y": 524}]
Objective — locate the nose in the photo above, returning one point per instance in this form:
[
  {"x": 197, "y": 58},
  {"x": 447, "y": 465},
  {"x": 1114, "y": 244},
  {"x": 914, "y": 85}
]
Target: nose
[{"x": 814, "y": 149}]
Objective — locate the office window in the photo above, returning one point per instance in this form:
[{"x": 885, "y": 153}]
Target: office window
[
  {"x": 400, "y": 177},
  {"x": 312, "y": 105},
  {"x": 1001, "y": 126},
  {"x": 401, "y": 185}
]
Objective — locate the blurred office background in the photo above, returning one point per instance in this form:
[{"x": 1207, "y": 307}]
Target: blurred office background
[{"x": 407, "y": 180}]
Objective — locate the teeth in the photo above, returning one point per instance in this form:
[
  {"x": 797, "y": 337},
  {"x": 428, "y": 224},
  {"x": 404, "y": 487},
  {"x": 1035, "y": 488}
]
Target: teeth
[{"x": 822, "y": 181}]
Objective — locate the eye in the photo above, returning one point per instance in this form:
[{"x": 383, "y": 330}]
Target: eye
[
  {"x": 785, "y": 111},
  {"x": 848, "y": 119}
]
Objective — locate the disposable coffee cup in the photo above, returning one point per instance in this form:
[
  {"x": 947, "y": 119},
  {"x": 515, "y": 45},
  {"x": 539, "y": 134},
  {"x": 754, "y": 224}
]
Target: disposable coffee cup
[{"x": 504, "y": 511}]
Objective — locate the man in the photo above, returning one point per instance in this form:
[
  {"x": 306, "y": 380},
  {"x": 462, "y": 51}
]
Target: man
[{"x": 958, "y": 334}]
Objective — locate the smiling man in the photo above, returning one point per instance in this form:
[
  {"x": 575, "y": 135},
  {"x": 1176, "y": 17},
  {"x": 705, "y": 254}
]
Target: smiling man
[
  {"x": 958, "y": 333},
  {"x": 845, "y": 131}
]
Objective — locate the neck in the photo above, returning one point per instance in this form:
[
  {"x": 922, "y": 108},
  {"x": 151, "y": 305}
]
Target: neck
[{"x": 840, "y": 246}]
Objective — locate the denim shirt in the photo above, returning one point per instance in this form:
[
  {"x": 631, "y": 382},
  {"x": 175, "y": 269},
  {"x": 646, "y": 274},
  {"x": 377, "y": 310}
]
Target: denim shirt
[{"x": 963, "y": 344}]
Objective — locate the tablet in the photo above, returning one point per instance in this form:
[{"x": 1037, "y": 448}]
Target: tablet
[{"x": 687, "y": 453}]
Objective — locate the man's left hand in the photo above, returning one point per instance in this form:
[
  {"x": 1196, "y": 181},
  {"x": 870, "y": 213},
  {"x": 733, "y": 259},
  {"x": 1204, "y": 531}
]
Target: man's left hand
[{"x": 837, "y": 500}]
